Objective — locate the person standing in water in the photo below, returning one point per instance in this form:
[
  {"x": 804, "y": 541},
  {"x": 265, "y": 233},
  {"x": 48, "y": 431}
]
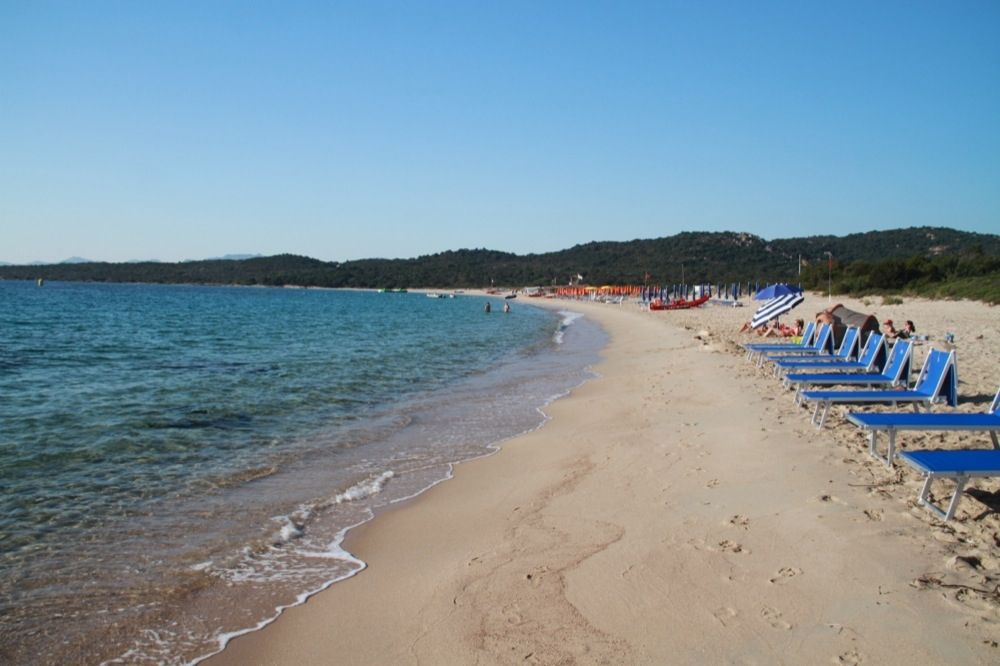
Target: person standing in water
[
  {"x": 487, "y": 309},
  {"x": 506, "y": 307}
]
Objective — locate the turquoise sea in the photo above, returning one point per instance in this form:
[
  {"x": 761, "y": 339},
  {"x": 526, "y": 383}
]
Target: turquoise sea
[{"x": 178, "y": 463}]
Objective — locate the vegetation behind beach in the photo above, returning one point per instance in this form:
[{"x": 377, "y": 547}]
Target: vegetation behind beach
[{"x": 928, "y": 261}]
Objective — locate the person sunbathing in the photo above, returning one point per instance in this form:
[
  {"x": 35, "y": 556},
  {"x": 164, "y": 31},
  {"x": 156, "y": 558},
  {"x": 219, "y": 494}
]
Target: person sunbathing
[
  {"x": 747, "y": 327},
  {"x": 785, "y": 330},
  {"x": 889, "y": 330}
]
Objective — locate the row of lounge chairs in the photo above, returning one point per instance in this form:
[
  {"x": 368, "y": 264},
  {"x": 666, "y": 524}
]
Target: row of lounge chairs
[{"x": 882, "y": 376}]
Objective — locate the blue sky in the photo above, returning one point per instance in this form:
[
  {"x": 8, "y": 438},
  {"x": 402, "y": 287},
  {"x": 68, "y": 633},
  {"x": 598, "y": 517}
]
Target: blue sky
[{"x": 184, "y": 130}]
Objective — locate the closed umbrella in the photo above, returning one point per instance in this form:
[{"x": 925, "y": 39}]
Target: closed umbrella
[
  {"x": 775, "y": 290},
  {"x": 775, "y": 307}
]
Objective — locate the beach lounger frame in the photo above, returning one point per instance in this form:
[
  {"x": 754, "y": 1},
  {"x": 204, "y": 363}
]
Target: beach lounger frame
[
  {"x": 808, "y": 334},
  {"x": 953, "y": 421},
  {"x": 848, "y": 352},
  {"x": 938, "y": 374},
  {"x": 896, "y": 372},
  {"x": 959, "y": 466},
  {"x": 872, "y": 359},
  {"x": 821, "y": 344}
]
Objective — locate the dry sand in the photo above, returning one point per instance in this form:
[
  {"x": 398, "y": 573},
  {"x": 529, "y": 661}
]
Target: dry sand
[{"x": 677, "y": 509}]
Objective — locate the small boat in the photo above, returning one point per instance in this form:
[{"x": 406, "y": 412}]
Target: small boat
[
  {"x": 510, "y": 296},
  {"x": 680, "y": 304},
  {"x": 433, "y": 295}
]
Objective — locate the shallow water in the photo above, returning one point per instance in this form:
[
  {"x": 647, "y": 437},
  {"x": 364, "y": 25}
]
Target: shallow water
[{"x": 179, "y": 462}]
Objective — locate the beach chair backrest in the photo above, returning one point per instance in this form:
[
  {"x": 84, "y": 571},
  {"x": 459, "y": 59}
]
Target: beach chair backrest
[
  {"x": 824, "y": 334},
  {"x": 938, "y": 374},
  {"x": 874, "y": 345},
  {"x": 807, "y": 333},
  {"x": 897, "y": 368},
  {"x": 995, "y": 407},
  {"x": 849, "y": 345}
]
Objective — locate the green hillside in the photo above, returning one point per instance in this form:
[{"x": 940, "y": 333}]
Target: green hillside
[{"x": 873, "y": 261}]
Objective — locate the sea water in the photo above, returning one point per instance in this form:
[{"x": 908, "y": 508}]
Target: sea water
[{"x": 179, "y": 463}]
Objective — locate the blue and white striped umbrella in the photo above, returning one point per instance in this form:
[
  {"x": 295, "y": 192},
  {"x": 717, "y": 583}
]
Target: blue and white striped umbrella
[{"x": 775, "y": 307}]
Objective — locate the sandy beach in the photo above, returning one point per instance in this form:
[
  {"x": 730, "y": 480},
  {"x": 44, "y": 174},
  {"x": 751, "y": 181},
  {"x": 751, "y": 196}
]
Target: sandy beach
[{"x": 677, "y": 509}]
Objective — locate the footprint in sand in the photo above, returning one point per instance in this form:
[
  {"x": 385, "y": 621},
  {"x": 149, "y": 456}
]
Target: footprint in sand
[
  {"x": 724, "y": 614},
  {"x": 534, "y": 577},
  {"x": 784, "y": 575},
  {"x": 851, "y": 657},
  {"x": 740, "y": 521},
  {"x": 833, "y": 499},
  {"x": 512, "y": 614},
  {"x": 773, "y": 617},
  {"x": 946, "y": 536},
  {"x": 972, "y": 563},
  {"x": 874, "y": 514},
  {"x": 714, "y": 483},
  {"x": 733, "y": 547}
]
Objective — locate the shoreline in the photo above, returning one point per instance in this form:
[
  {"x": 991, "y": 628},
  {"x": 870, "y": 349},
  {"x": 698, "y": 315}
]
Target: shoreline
[
  {"x": 676, "y": 489},
  {"x": 290, "y": 515}
]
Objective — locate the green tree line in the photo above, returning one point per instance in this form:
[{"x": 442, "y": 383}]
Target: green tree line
[{"x": 934, "y": 261}]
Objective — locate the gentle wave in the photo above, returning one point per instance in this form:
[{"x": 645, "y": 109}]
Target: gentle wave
[{"x": 567, "y": 320}]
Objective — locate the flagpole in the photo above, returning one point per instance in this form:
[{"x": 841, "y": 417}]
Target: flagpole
[{"x": 829, "y": 277}]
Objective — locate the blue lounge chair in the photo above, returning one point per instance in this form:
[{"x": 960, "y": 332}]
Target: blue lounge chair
[
  {"x": 847, "y": 353},
  {"x": 807, "y": 339},
  {"x": 893, "y": 423},
  {"x": 821, "y": 344},
  {"x": 895, "y": 373},
  {"x": 958, "y": 465},
  {"x": 872, "y": 359},
  {"x": 939, "y": 375}
]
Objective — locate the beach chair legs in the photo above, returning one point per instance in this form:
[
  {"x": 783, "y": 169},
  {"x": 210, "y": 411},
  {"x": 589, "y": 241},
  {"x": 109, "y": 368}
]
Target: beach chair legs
[
  {"x": 890, "y": 453},
  {"x": 826, "y": 404},
  {"x": 948, "y": 514}
]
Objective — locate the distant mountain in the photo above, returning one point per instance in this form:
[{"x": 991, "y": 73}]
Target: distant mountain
[
  {"x": 691, "y": 257},
  {"x": 234, "y": 257},
  {"x": 76, "y": 260}
]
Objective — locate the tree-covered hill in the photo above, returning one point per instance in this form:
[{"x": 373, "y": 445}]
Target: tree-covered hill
[{"x": 691, "y": 257}]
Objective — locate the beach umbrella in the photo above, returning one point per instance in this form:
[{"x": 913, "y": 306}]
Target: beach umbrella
[
  {"x": 775, "y": 290},
  {"x": 775, "y": 307}
]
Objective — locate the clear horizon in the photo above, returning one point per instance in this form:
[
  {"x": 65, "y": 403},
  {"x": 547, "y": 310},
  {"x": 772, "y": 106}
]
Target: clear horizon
[{"x": 182, "y": 132}]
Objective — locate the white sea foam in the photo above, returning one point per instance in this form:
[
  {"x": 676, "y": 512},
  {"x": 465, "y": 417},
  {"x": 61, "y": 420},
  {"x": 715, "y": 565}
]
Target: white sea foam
[
  {"x": 290, "y": 531},
  {"x": 364, "y": 489},
  {"x": 567, "y": 319},
  {"x": 334, "y": 550}
]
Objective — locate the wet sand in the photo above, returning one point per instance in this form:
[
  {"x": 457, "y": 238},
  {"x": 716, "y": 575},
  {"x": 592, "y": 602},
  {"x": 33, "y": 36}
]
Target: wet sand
[{"x": 679, "y": 508}]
